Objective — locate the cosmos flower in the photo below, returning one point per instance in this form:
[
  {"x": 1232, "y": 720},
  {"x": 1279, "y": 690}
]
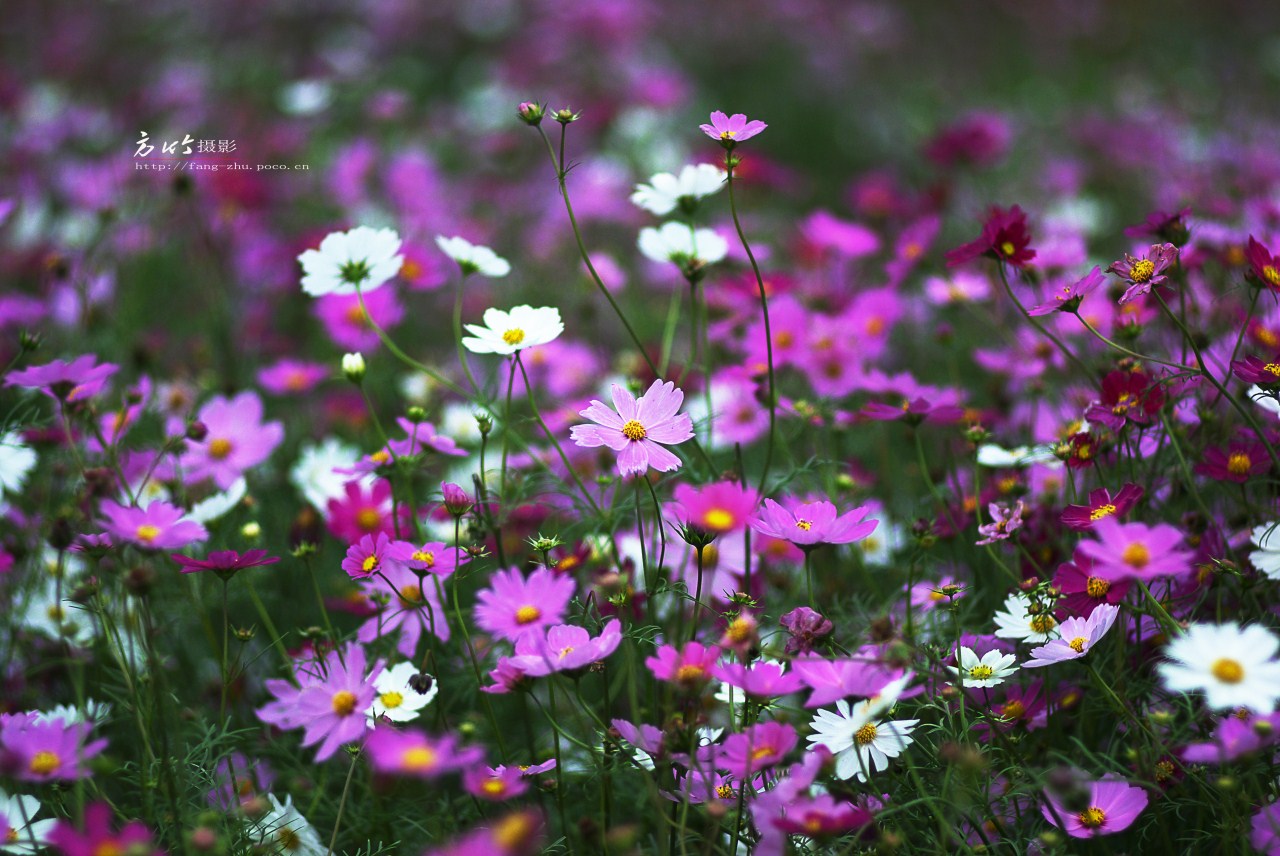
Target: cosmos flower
[
  {"x": 1256, "y": 370},
  {"x": 159, "y": 526},
  {"x": 331, "y": 705},
  {"x": 688, "y": 668},
  {"x": 565, "y": 648},
  {"x": 77, "y": 380},
  {"x": 1102, "y": 504},
  {"x": 1077, "y": 637},
  {"x": 860, "y": 739},
  {"x": 807, "y": 524},
  {"x": 17, "y": 459},
  {"x": 367, "y": 557},
  {"x": 283, "y": 828},
  {"x": 729, "y": 130},
  {"x": 714, "y": 509},
  {"x": 514, "y": 606},
  {"x": 237, "y": 440},
  {"x": 1113, "y": 806},
  {"x": 1127, "y": 551},
  {"x": 292, "y": 377},
  {"x": 225, "y": 561},
  {"x": 1005, "y": 520},
  {"x": 989, "y": 670},
  {"x": 1018, "y": 621},
  {"x": 494, "y": 785},
  {"x": 20, "y": 832},
  {"x": 1234, "y": 665},
  {"x": 506, "y": 333},
  {"x": 97, "y": 838},
  {"x": 35, "y": 749},
  {"x": 1144, "y": 273},
  {"x": 638, "y": 429},
  {"x": 666, "y": 192},
  {"x": 1068, "y": 297},
  {"x": 1239, "y": 462},
  {"x": 361, "y": 259},
  {"x": 472, "y": 258},
  {"x": 1082, "y": 589},
  {"x": 759, "y": 747},
  {"x": 412, "y": 753},
  {"x": 1004, "y": 238},
  {"x": 402, "y": 693},
  {"x": 691, "y": 249}
]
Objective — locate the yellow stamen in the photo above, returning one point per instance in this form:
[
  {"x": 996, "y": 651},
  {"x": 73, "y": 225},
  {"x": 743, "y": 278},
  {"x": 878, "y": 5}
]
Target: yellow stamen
[
  {"x": 690, "y": 674},
  {"x": 865, "y": 734},
  {"x": 219, "y": 448},
  {"x": 1238, "y": 464},
  {"x": 1077, "y": 644},
  {"x": 368, "y": 519},
  {"x": 528, "y": 614},
  {"x": 1092, "y": 817},
  {"x": 1008, "y": 249},
  {"x": 148, "y": 533},
  {"x": 1227, "y": 670},
  {"x": 1271, "y": 275},
  {"x": 981, "y": 673},
  {"x": 1136, "y": 555},
  {"x": 44, "y": 763},
  {"x": 369, "y": 564},
  {"x": 804, "y": 525},
  {"x": 1102, "y": 511},
  {"x": 1142, "y": 270},
  {"x": 391, "y": 700},
  {"x": 344, "y": 702},
  {"x": 1096, "y": 587},
  {"x": 514, "y": 336},
  {"x": 1043, "y": 623},
  {"x": 418, "y": 758},
  {"x": 633, "y": 430},
  {"x": 718, "y": 519}
]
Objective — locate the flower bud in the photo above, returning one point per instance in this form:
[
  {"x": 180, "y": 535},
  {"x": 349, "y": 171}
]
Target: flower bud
[
  {"x": 416, "y": 414},
  {"x": 353, "y": 367},
  {"x": 565, "y": 115},
  {"x": 455, "y": 499},
  {"x": 531, "y": 113},
  {"x": 197, "y": 431}
]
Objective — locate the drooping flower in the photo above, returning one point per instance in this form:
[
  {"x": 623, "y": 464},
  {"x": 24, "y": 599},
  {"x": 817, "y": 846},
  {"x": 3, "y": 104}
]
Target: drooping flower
[
  {"x": 472, "y": 258},
  {"x": 1004, "y": 238},
  {"x": 507, "y": 333},
  {"x": 1077, "y": 637},
  {"x": 666, "y": 192},
  {"x": 1102, "y": 504},
  {"x": 237, "y": 440},
  {"x": 807, "y": 524},
  {"x": 159, "y": 526},
  {"x": 1113, "y": 806},
  {"x": 638, "y": 428},
  {"x": 362, "y": 258},
  {"x": 565, "y": 648},
  {"x": 225, "y": 561},
  {"x": 1144, "y": 273},
  {"x": 77, "y": 380},
  {"x": 1068, "y": 297},
  {"x": 1234, "y": 666},
  {"x": 1126, "y": 551},
  {"x": 514, "y": 606},
  {"x": 989, "y": 670},
  {"x": 730, "y": 130}
]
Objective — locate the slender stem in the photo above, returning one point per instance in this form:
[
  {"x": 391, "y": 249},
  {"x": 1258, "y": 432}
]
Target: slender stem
[
  {"x": 1044, "y": 331},
  {"x": 1123, "y": 349},
  {"x": 564, "y": 459},
  {"x": 506, "y": 433},
  {"x": 342, "y": 803}
]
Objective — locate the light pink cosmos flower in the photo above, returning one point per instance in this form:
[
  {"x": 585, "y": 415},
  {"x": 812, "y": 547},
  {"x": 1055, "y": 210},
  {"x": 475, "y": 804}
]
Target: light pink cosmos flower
[
  {"x": 1079, "y": 635},
  {"x": 807, "y": 524},
  {"x": 1127, "y": 551},
  {"x": 732, "y": 129},
  {"x": 760, "y": 746},
  {"x": 564, "y": 649},
  {"x": 1004, "y": 521},
  {"x": 412, "y": 753},
  {"x": 637, "y": 428},
  {"x": 159, "y": 526},
  {"x": 1113, "y": 807},
  {"x": 514, "y": 606},
  {"x": 33, "y": 749},
  {"x": 237, "y": 440}
]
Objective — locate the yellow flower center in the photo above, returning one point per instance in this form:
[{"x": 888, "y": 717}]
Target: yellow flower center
[
  {"x": 1142, "y": 270},
  {"x": 1238, "y": 464},
  {"x": 1273, "y": 368},
  {"x": 1096, "y": 587},
  {"x": 566, "y": 651},
  {"x": 44, "y": 763},
  {"x": 1013, "y": 709},
  {"x": 874, "y": 325},
  {"x": 804, "y": 525},
  {"x": 418, "y": 758},
  {"x": 718, "y": 519},
  {"x": 288, "y": 839},
  {"x": 1227, "y": 670},
  {"x": 762, "y": 752},
  {"x": 1092, "y": 817},
  {"x": 1102, "y": 511},
  {"x": 1266, "y": 337},
  {"x": 1008, "y": 248},
  {"x": 1271, "y": 275},
  {"x": 344, "y": 702},
  {"x": 514, "y": 336},
  {"x": 633, "y": 430},
  {"x": 513, "y": 832},
  {"x": 865, "y": 734},
  {"x": 1136, "y": 555},
  {"x": 148, "y": 533},
  {"x": 784, "y": 339},
  {"x": 981, "y": 673},
  {"x": 528, "y": 614},
  {"x": 368, "y": 519},
  {"x": 410, "y": 593},
  {"x": 726, "y": 135},
  {"x": 219, "y": 448},
  {"x": 369, "y": 564},
  {"x": 380, "y": 457},
  {"x": 1043, "y": 623},
  {"x": 1077, "y": 644},
  {"x": 690, "y": 674},
  {"x": 391, "y": 700},
  {"x": 725, "y": 792},
  {"x": 427, "y": 558},
  {"x": 494, "y": 787}
]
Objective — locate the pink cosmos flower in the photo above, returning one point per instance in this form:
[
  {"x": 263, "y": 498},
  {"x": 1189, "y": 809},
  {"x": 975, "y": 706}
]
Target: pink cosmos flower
[
  {"x": 97, "y": 838},
  {"x": 1004, "y": 238},
  {"x": 833, "y": 680},
  {"x": 822, "y": 816},
  {"x": 1004, "y": 521},
  {"x": 564, "y": 649},
  {"x": 77, "y": 380},
  {"x": 516, "y": 834},
  {"x": 515, "y": 606},
  {"x": 1113, "y": 807},
  {"x": 1078, "y": 636},
  {"x": 1083, "y": 589},
  {"x": 1135, "y": 551},
  {"x": 237, "y": 440},
  {"x": 1265, "y": 266},
  {"x": 359, "y": 513},
  {"x": 159, "y": 526},
  {"x": 688, "y": 668},
  {"x": 804, "y": 627},
  {"x": 1102, "y": 504},
  {"x": 225, "y": 561},
  {"x": 638, "y": 427},
  {"x": 1235, "y": 737},
  {"x": 406, "y": 612},
  {"x": 807, "y": 524},
  {"x": 732, "y": 129},
  {"x": 1146, "y": 272},
  {"x": 345, "y": 321},
  {"x": 1264, "y": 829},
  {"x": 367, "y": 558},
  {"x": 494, "y": 785},
  {"x": 292, "y": 377},
  {"x": 762, "y": 680},
  {"x": 433, "y": 557},
  {"x": 1239, "y": 462},
  {"x": 35, "y": 749},
  {"x": 759, "y": 747},
  {"x": 330, "y": 704},
  {"x": 412, "y": 753},
  {"x": 715, "y": 509},
  {"x": 1068, "y": 297}
]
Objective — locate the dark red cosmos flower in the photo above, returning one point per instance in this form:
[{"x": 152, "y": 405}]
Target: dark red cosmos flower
[
  {"x": 1239, "y": 462},
  {"x": 1127, "y": 396},
  {"x": 225, "y": 561},
  {"x": 1101, "y": 504},
  {"x": 1266, "y": 267},
  {"x": 1256, "y": 370},
  {"x": 1004, "y": 238},
  {"x": 1162, "y": 225}
]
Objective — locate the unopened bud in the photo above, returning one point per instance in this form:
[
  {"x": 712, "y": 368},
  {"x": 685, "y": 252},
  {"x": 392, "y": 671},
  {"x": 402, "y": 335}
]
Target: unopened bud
[
  {"x": 531, "y": 113},
  {"x": 353, "y": 367}
]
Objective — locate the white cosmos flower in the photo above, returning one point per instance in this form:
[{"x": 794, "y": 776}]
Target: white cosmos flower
[
  {"x": 362, "y": 257},
  {"x": 861, "y": 743},
  {"x": 219, "y": 504},
  {"x": 20, "y": 832},
  {"x": 1267, "y": 557},
  {"x": 676, "y": 242},
  {"x": 473, "y": 258},
  {"x": 314, "y": 473},
  {"x": 16, "y": 461},
  {"x": 991, "y": 455},
  {"x": 1234, "y": 666},
  {"x": 1017, "y": 622},
  {"x": 508, "y": 332},
  {"x": 396, "y": 700},
  {"x": 665, "y": 192},
  {"x": 988, "y": 671},
  {"x": 284, "y": 830},
  {"x": 1266, "y": 400}
]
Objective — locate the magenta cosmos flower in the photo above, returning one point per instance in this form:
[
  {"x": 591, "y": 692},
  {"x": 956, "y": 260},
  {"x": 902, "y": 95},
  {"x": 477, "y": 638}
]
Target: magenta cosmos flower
[
  {"x": 1266, "y": 267},
  {"x": 1135, "y": 551},
  {"x": 79, "y": 379},
  {"x": 564, "y": 649},
  {"x": 639, "y": 428},
  {"x": 807, "y": 524},
  {"x": 97, "y": 838},
  {"x": 729, "y": 130},
  {"x": 1102, "y": 504},
  {"x": 367, "y": 557},
  {"x": 715, "y": 509},
  {"x": 1004, "y": 238},
  {"x": 760, "y": 746},
  {"x": 225, "y": 562},
  {"x": 1078, "y": 636},
  {"x": 415, "y": 754},
  {"x": 292, "y": 377},
  {"x": 688, "y": 668},
  {"x": 34, "y": 749},
  {"x": 1113, "y": 807},
  {"x": 1239, "y": 462},
  {"x": 515, "y": 606},
  {"x": 159, "y": 526},
  {"x": 1068, "y": 297},
  {"x": 237, "y": 440},
  {"x": 1144, "y": 273},
  {"x": 762, "y": 680}
]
